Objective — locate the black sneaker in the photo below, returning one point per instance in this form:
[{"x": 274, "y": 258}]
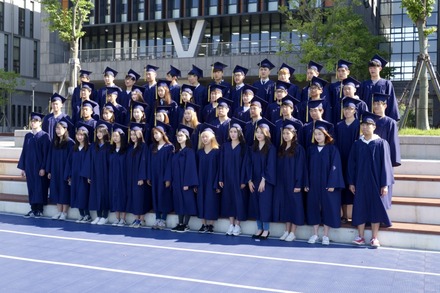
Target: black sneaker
[
  {"x": 176, "y": 228},
  {"x": 203, "y": 229},
  {"x": 38, "y": 214},
  {"x": 29, "y": 215},
  {"x": 181, "y": 229},
  {"x": 210, "y": 228}
]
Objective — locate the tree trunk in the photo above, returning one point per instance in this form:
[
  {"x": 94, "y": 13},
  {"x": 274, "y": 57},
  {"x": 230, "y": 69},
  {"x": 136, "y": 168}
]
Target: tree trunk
[
  {"x": 74, "y": 67},
  {"x": 422, "y": 121}
]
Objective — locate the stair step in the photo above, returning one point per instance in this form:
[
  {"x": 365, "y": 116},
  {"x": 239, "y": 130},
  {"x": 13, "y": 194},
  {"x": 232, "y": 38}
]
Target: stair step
[
  {"x": 18, "y": 178},
  {"x": 415, "y": 210},
  {"x": 417, "y": 201},
  {"x": 412, "y": 177},
  {"x": 13, "y": 197},
  {"x": 426, "y": 167}
]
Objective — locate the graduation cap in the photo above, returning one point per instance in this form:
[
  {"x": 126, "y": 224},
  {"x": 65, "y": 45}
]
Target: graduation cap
[
  {"x": 163, "y": 82},
  {"x": 351, "y": 82},
  {"x": 282, "y": 85},
  {"x": 66, "y": 123},
  {"x": 187, "y": 89},
  {"x": 290, "y": 68},
  {"x": 121, "y": 129},
  {"x": 112, "y": 91},
  {"x": 84, "y": 73},
  {"x": 237, "y": 123},
  {"x": 214, "y": 87},
  {"x": 207, "y": 127},
  {"x": 248, "y": 88},
  {"x": 151, "y": 68},
  {"x": 315, "y": 104},
  {"x": 264, "y": 123},
  {"x": 343, "y": 64},
  {"x": 166, "y": 128},
  {"x": 84, "y": 127},
  {"x": 223, "y": 102},
  {"x": 315, "y": 66},
  {"x": 323, "y": 125},
  {"x": 289, "y": 124},
  {"x": 350, "y": 102},
  {"x": 196, "y": 71},
  {"x": 137, "y": 126},
  {"x": 57, "y": 97},
  {"x": 133, "y": 74},
  {"x": 138, "y": 89},
  {"x": 266, "y": 63},
  {"x": 318, "y": 82},
  {"x": 218, "y": 66},
  {"x": 376, "y": 60},
  {"x": 110, "y": 106},
  {"x": 192, "y": 106},
  {"x": 104, "y": 124},
  {"x": 163, "y": 109},
  {"x": 379, "y": 97},
  {"x": 257, "y": 101},
  {"x": 185, "y": 129},
  {"x": 241, "y": 69},
  {"x": 138, "y": 105},
  {"x": 290, "y": 101},
  {"x": 370, "y": 118},
  {"x": 174, "y": 72},
  {"x": 89, "y": 103},
  {"x": 110, "y": 71},
  {"x": 87, "y": 85}
]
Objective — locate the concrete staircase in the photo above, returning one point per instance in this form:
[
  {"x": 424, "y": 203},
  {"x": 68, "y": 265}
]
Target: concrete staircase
[{"x": 415, "y": 212}]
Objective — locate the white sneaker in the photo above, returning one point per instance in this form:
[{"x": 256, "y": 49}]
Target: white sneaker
[
  {"x": 284, "y": 236},
  {"x": 80, "y": 219},
  {"x": 56, "y": 216},
  {"x": 290, "y": 237},
  {"x": 374, "y": 242},
  {"x": 102, "y": 221},
  {"x": 95, "y": 221},
  {"x": 115, "y": 222},
  {"x": 325, "y": 240},
  {"x": 237, "y": 230},
  {"x": 161, "y": 225},
  {"x": 313, "y": 239},
  {"x": 230, "y": 230},
  {"x": 121, "y": 223},
  {"x": 63, "y": 216}
]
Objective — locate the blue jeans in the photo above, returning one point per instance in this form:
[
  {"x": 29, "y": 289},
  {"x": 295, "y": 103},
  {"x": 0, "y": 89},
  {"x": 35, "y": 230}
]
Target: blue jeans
[{"x": 263, "y": 225}]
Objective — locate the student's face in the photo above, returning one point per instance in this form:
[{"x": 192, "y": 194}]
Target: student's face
[
  {"x": 84, "y": 78},
  {"x": 286, "y": 110},
  {"x": 215, "y": 95},
  {"x": 107, "y": 115},
  {"x": 84, "y": 93},
  {"x": 133, "y": 136},
  {"x": 280, "y": 94},
  {"x": 379, "y": 108},
  {"x": 374, "y": 70},
  {"x": 138, "y": 114},
  {"x": 319, "y": 136},
  {"x": 343, "y": 73},
  {"x": 186, "y": 97},
  {"x": 247, "y": 97},
  {"x": 161, "y": 92},
  {"x": 169, "y": 77},
  {"x": 255, "y": 111},
  {"x": 187, "y": 115},
  {"x": 259, "y": 135},
  {"x": 111, "y": 98},
  {"x": 56, "y": 106},
  {"x": 87, "y": 112},
  {"x": 160, "y": 117},
  {"x": 158, "y": 136},
  {"x": 192, "y": 79},
  {"x": 368, "y": 128},
  {"x": 288, "y": 135},
  {"x": 135, "y": 96},
  {"x": 316, "y": 113},
  {"x": 99, "y": 134},
  {"x": 233, "y": 133},
  {"x": 349, "y": 91},
  {"x": 129, "y": 81},
  {"x": 108, "y": 79},
  {"x": 181, "y": 137},
  {"x": 116, "y": 137},
  {"x": 311, "y": 73},
  {"x": 79, "y": 136},
  {"x": 264, "y": 72},
  {"x": 206, "y": 138},
  {"x": 60, "y": 130},
  {"x": 349, "y": 112},
  {"x": 150, "y": 76},
  {"x": 283, "y": 76},
  {"x": 315, "y": 91},
  {"x": 222, "y": 111},
  {"x": 239, "y": 77},
  {"x": 218, "y": 75}
]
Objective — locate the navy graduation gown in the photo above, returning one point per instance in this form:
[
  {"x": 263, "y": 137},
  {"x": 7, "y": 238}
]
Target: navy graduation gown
[
  {"x": 265, "y": 91},
  {"x": 183, "y": 169},
  {"x": 96, "y": 169},
  {"x": 208, "y": 201},
  {"x": 50, "y": 122},
  {"x": 235, "y": 97},
  {"x": 101, "y": 96},
  {"x": 338, "y": 108},
  {"x": 208, "y": 113},
  {"x": 261, "y": 165},
  {"x": 234, "y": 200},
  {"x": 387, "y": 129},
  {"x": 288, "y": 205},
  {"x": 324, "y": 171},
  {"x": 157, "y": 173},
  {"x": 242, "y": 114},
  {"x": 124, "y": 99},
  {"x": 33, "y": 158},
  {"x": 307, "y": 134},
  {"x": 150, "y": 94},
  {"x": 201, "y": 96},
  {"x": 56, "y": 164},
  {"x": 117, "y": 181},
  {"x": 273, "y": 112},
  {"x": 249, "y": 132},
  {"x": 279, "y": 131},
  {"x": 222, "y": 133},
  {"x": 175, "y": 92},
  {"x": 304, "y": 111},
  {"x": 79, "y": 187},
  {"x": 382, "y": 86},
  {"x": 226, "y": 91},
  {"x": 369, "y": 169}
]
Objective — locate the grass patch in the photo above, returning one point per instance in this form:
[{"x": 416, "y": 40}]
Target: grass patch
[{"x": 415, "y": 131}]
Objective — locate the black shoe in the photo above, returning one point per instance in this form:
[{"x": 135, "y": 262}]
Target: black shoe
[
  {"x": 181, "y": 228},
  {"x": 203, "y": 229},
  {"x": 175, "y": 229},
  {"x": 29, "y": 215},
  {"x": 344, "y": 220},
  {"x": 264, "y": 237},
  {"x": 210, "y": 228},
  {"x": 257, "y": 236},
  {"x": 38, "y": 214}
]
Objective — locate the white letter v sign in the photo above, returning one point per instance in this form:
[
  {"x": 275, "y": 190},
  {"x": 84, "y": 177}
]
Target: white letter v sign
[{"x": 196, "y": 38}]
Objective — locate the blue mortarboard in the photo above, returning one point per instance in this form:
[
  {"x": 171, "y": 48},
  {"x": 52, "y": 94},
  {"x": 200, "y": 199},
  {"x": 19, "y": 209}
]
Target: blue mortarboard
[
  {"x": 138, "y": 88},
  {"x": 89, "y": 103},
  {"x": 267, "y": 64},
  {"x": 379, "y": 97},
  {"x": 66, "y": 123},
  {"x": 351, "y": 81},
  {"x": 264, "y": 123},
  {"x": 84, "y": 73},
  {"x": 133, "y": 74},
  {"x": 88, "y": 85},
  {"x": 218, "y": 66},
  {"x": 290, "y": 100},
  {"x": 120, "y": 129},
  {"x": 289, "y": 124},
  {"x": 241, "y": 69},
  {"x": 259, "y": 102},
  {"x": 112, "y": 90},
  {"x": 110, "y": 106},
  {"x": 223, "y": 102},
  {"x": 377, "y": 59},
  {"x": 104, "y": 124},
  {"x": 110, "y": 71},
  {"x": 207, "y": 127},
  {"x": 237, "y": 123},
  {"x": 84, "y": 127},
  {"x": 315, "y": 104},
  {"x": 249, "y": 88},
  {"x": 350, "y": 102},
  {"x": 344, "y": 63},
  {"x": 151, "y": 68},
  {"x": 137, "y": 126},
  {"x": 57, "y": 97},
  {"x": 368, "y": 117},
  {"x": 174, "y": 72},
  {"x": 214, "y": 87},
  {"x": 187, "y": 88},
  {"x": 315, "y": 66},
  {"x": 318, "y": 82},
  {"x": 323, "y": 125},
  {"x": 166, "y": 128},
  {"x": 192, "y": 106},
  {"x": 290, "y": 68},
  {"x": 185, "y": 129},
  {"x": 281, "y": 85},
  {"x": 196, "y": 71},
  {"x": 138, "y": 105},
  {"x": 163, "y": 82},
  {"x": 163, "y": 109}
]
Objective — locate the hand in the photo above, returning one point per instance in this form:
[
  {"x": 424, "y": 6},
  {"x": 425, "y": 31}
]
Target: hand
[
  {"x": 251, "y": 186},
  {"x": 89, "y": 181},
  {"x": 149, "y": 182},
  {"x": 306, "y": 189},
  {"x": 352, "y": 189},
  {"x": 69, "y": 181},
  {"x": 217, "y": 190},
  {"x": 330, "y": 189},
  {"x": 42, "y": 172},
  {"x": 384, "y": 191},
  {"x": 23, "y": 173},
  {"x": 140, "y": 182},
  {"x": 48, "y": 175},
  {"x": 296, "y": 190},
  {"x": 242, "y": 186},
  {"x": 185, "y": 188},
  {"x": 195, "y": 189},
  {"x": 262, "y": 186},
  {"x": 220, "y": 184},
  {"x": 167, "y": 184}
]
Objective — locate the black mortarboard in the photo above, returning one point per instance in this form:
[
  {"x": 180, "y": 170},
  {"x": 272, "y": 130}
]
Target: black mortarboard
[
  {"x": 281, "y": 85},
  {"x": 83, "y": 72},
  {"x": 323, "y": 125},
  {"x": 264, "y": 123},
  {"x": 377, "y": 59},
  {"x": 250, "y": 88},
  {"x": 218, "y": 66},
  {"x": 66, "y": 122},
  {"x": 315, "y": 104},
  {"x": 289, "y": 124},
  {"x": 110, "y": 71},
  {"x": 194, "y": 107},
  {"x": 351, "y": 81},
  {"x": 379, "y": 97},
  {"x": 344, "y": 63},
  {"x": 315, "y": 66},
  {"x": 110, "y": 106},
  {"x": 166, "y": 128},
  {"x": 223, "y": 102},
  {"x": 112, "y": 90},
  {"x": 138, "y": 105},
  {"x": 290, "y": 100},
  {"x": 239, "y": 68},
  {"x": 196, "y": 71},
  {"x": 120, "y": 129},
  {"x": 185, "y": 129},
  {"x": 368, "y": 117},
  {"x": 104, "y": 124},
  {"x": 133, "y": 74},
  {"x": 207, "y": 127},
  {"x": 84, "y": 127},
  {"x": 163, "y": 82},
  {"x": 266, "y": 63},
  {"x": 214, "y": 87},
  {"x": 290, "y": 68},
  {"x": 318, "y": 82},
  {"x": 187, "y": 88},
  {"x": 259, "y": 102},
  {"x": 137, "y": 126},
  {"x": 88, "y": 85},
  {"x": 350, "y": 102},
  {"x": 174, "y": 72},
  {"x": 57, "y": 97},
  {"x": 237, "y": 123},
  {"x": 138, "y": 88},
  {"x": 89, "y": 103},
  {"x": 151, "y": 68}
]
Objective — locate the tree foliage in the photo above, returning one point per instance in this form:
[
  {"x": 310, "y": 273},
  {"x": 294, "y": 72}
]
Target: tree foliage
[
  {"x": 420, "y": 11},
  {"x": 329, "y": 34},
  {"x": 9, "y": 81}
]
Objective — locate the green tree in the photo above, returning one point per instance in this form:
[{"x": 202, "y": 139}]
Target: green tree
[
  {"x": 329, "y": 34},
  {"x": 419, "y": 12},
  {"x": 68, "y": 23},
  {"x": 9, "y": 81}
]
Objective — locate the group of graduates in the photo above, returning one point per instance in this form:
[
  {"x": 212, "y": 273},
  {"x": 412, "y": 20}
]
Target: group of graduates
[{"x": 267, "y": 151}]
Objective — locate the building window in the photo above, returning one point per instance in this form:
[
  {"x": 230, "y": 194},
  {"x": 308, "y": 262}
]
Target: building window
[
  {"x": 31, "y": 24},
  {"x": 16, "y": 55},
  {"x": 6, "y": 53},
  {"x": 272, "y": 5},
  {"x": 252, "y": 5},
  {"x": 35, "y": 67},
  {"x": 2, "y": 13},
  {"x": 213, "y": 7},
  {"x": 21, "y": 21},
  {"x": 232, "y": 6},
  {"x": 176, "y": 8},
  {"x": 193, "y": 7},
  {"x": 158, "y": 10}
]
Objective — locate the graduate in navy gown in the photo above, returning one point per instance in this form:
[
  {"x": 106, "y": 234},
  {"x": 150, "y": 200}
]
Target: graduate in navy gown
[
  {"x": 238, "y": 76},
  {"x": 261, "y": 178},
  {"x": 118, "y": 173},
  {"x": 350, "y": 85},
  {"x": 242, "y": 111},
  {"x": 84, "y": 76},
  {"x": 346, "y": 133},
  {"x": 50, "y": 120},
  {"x": 376, "y": 84},
  {"x": 222, "y": 120},
  {"x": 139, "y": 113},
  {"x": 273, "y": 111},
  {"x": 335, "y": 89},
  {"x": 150, "y": 92},
  {"x": 284, "y": 74},
  {"x": 183, "y": 179},
  {"x": 316, "y": 93},
  {"x": 86, "y": 115},
  {"x": 164, "y": 99},
  {"x": 257, "y": 108},
  {"x": 316, "y": 112},
  {"x": 324, "y": 183},
  {"x": 172, "y": 76},
  {"x": 291, "y": 167},
  {"x": 185, "y": 97},
  {"x": 370, "y": 174},
  {"x": 264, "y": 85},
  {"x": 78, "y": 158},
  {"x": 58, "y": 154},
  {"x": 288, "y": 105},
  {"x": 209, "y": 111},
  {"x": 97, "y": 173},
  {"x": 159, "y": 156},
  {"x": 190, "y": 120},
  {"x": 124, "y": 97},
  {"x": 32, "y": 164},
  {"x": 109, "y": 81},
  {"x": 86, "y": 91},
  {"x": 139, "y": 199},
  {"x": 120, "y": 113},
  {"x": 217, "y": 76},
  {"x": 386, "y": 127},
  {"x": 200, "y": 91},
  {"x": 313, "y": 70},
  {"x": 235, "y": 195},
  {"x": 208, "y": 191}
]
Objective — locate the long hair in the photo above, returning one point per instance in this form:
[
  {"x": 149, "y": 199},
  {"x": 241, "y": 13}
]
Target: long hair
[
  {"x": 112, "y": 120},
  {"x": 166, "y": 99},
  {"x": 61, "y": 142},
  {"x": 139, "y": 141},
  {"x": 123, "y": 147},
  {"x": 105, "y": 137},
  {"x": 194, "y": 120},
  {"x": 214, "y": 143},
  {"x": 143, "y": 119},
  {"x": 290, "y": 152},
  {"x": 156, "y": 143},
  {"x": 267, "y": 141},
  {"x": 188, "y": 143},
  {"x": 166, "y": 119},
  {"x": 86, "y": 141},
  {"x": 242, "y": 141},
  {"x": 328, "y": 137},
  {"x": 139, "y": 97}
]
